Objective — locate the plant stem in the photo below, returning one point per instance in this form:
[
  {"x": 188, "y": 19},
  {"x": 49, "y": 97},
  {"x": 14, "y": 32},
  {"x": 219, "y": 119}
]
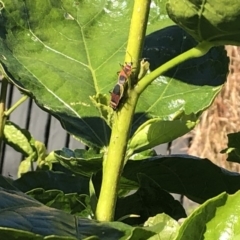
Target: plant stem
[
  {"x": 113, "y": 166},
  {"x": 115, "y": 162},
  {"x": 2, "y": 107},
  {"x": 137, "y": 31},
  {"x": 3, "y": 113},
  {"x": 198, "y": 51},
  {"x": 13, "y": 107}
]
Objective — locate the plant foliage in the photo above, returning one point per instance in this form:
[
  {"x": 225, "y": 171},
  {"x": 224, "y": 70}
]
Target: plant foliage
[{"x": 64, "y": 55}]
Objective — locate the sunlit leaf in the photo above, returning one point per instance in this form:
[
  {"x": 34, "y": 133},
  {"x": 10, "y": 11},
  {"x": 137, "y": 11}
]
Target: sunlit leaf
[
  {"x": 165, "y": 227},
  {"x": 157, "y": 131},
  {"x": 210, "y": 20},
  {"x": 63, "y": 53},
  {"x": 20, "y": 139},
  {"x": 206, "y": 222}
]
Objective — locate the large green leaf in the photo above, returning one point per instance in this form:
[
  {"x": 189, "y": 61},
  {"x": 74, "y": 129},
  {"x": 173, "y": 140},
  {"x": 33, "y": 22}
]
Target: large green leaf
[
  {"x": 198, "y": 179},
  {"x": 216, "y": 21},
  {"x": 218, "y": 218},
  {"x": 233, "y": 149},
  {"x": 191, "y": 86},
  {"x": 165, "y": 227},
  {"x": 19, "y": 211},
  {"x": 12, "y": 234},
  {"x": 8, "y": 233},
  {"x": 72, "y": 203},
  {"x": 80, "y": 161},
  {"x": 157, "y": 131},
  {"x": 64, "y": 52},
  {"x": 149, "y": 200},
  {"x": 21, "y": 215},
  {"x": 52, "y": 180}
]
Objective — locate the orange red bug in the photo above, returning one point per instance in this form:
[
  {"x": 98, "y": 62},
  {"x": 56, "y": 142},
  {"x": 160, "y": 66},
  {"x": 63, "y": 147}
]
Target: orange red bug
[
  {"x": 118, "y": 89},
  {"x": 116, "y": 95},
  {"x": 125, "y": 73}
]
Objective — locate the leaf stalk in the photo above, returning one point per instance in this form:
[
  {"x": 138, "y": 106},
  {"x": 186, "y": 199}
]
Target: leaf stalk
[
  {"x": 198, "y": 51},
  {"x": 3, "y": 96},
  {"x": 15, "y": 105}
]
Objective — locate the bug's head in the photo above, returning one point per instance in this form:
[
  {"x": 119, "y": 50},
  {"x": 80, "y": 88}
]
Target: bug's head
[{"x": 129, "y": 64}]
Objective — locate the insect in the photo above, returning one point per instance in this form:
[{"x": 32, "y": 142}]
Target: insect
[
  {"x": 118, "y": 89},
  {"x": 125, "y": 73},
  {"x": 116, "y": 95}
]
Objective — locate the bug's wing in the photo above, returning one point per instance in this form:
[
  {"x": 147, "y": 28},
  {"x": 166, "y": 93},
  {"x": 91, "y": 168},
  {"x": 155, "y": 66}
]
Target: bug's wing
[{"x": 116, "y": 95}]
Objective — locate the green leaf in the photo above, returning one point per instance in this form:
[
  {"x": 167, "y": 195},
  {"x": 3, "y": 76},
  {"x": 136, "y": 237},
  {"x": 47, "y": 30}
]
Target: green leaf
[
  {"x": 64, "y": 53},
  {"x": 24, "y": 166},
  {"x": 80, "y": 161},
  {"x": 20, "y": 139},
  {"x": 143, "y": 155},
  {"x": 42, "y": 160},
  {"x": 7, "y": 183},
  {"x": 45, "y": 161},
  {"x": 215, "y": 21},
  {"x": 93, "y": 196},
  {"x": 23, "y": 215},
  {"x": 165, "y": 227},
  {"x": 191, "y": 86},
  {"x": 149, "y": 200},
  {"x": 233, "y": 149},
  {"x": 198, "y": 179},
  {"x": 42, "y": 152},
  {"x": 52, "y": 180},
  {"x": 72, "y": 203},
  {"x": 157, "y": 131},
  {"x": 206, "y": 222},
  {"x": 9, "y": 233}
]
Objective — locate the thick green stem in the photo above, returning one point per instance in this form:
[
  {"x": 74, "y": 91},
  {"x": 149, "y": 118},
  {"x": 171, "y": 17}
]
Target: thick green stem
[
  {"x": 2, "y": 108},
  {"x": 115, "y": 161},
  {"x": 137, "y": 34},
  {"x": 123, "y": 119},
  {"x": 198, "y": 51}
]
